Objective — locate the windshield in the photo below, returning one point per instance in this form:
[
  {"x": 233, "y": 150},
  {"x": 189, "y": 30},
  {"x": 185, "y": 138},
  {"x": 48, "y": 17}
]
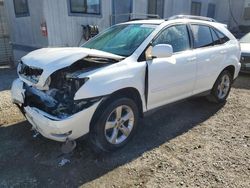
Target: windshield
[
  {"x": 121, "y": 40},
  {"x": 245, "y": 38}
]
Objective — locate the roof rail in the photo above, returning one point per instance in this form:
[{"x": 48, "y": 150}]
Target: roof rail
[
  {"x": 137, "y": 16},
  {"x": 192, "y": 17},
  {"x": 133, "y": 16}
]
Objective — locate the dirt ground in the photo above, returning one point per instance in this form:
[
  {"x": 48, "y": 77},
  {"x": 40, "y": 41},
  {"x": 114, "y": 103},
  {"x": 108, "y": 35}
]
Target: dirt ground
[{"x": 189, "y": 144}]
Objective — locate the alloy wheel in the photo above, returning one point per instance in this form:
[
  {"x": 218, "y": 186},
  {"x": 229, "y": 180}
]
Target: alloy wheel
[
  {"x": 119, "y": 124},
  {"x": 223, "y": 87}
]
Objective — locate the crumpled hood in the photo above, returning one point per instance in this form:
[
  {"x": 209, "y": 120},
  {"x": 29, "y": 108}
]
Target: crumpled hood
[
  {"x": 47, "y": 58},
  {"x": 53, "y": 59},
  {"x": 245, "y": 48}
]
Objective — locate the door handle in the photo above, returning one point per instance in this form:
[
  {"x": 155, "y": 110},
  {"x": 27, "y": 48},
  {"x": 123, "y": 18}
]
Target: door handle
[{"x": 191, "y": 59}]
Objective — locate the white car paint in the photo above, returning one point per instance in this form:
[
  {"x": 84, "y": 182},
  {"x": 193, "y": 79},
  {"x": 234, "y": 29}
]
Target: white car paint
[
  {"x": 57, "y": 129},
  {"x": 170, "y": 79}
]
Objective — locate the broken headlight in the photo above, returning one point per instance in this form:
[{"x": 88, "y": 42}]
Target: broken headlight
[{"x": 30, "y": 73}]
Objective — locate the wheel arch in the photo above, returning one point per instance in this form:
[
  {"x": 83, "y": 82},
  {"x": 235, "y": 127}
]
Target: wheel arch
[
  {"x": 129, "y": 92},
  {"x": 231, "y": 69}
]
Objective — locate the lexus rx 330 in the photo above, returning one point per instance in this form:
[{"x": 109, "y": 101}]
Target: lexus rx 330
[{"x": 104, "y": 86}]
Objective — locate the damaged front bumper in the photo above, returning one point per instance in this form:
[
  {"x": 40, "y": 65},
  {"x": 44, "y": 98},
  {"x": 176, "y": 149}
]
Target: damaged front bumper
[{"x": 52, "y": 127}]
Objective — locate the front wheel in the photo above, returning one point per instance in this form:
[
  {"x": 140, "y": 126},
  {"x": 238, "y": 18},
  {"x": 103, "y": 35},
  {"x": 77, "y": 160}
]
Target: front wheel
[
  {"x": 115, "y": 125},
  {"x": 221, "y": 88}
]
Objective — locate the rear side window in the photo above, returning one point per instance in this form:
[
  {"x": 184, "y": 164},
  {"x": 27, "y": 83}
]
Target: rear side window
[
  {"x": 202, "y": 36},
  {"x": 177, "y": 36},
  {"x": 215, "y": 37},
  {"x": 218, "y": 37},
  {"x": 223, "y": 38}
]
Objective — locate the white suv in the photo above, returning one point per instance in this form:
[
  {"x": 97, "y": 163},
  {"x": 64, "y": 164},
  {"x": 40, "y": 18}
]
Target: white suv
[{"x": 106, "y": 85}]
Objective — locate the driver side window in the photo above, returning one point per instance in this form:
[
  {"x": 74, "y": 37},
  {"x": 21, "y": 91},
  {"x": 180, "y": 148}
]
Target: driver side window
[{"x": 177, "y": 36}]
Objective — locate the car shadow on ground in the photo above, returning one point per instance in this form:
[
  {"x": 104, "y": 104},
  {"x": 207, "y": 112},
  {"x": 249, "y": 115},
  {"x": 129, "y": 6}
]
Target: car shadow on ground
[
  {"x": 25, "y": 161},
  {"x": 7, "y": 75},
  {"x": 243, "y": 81}
]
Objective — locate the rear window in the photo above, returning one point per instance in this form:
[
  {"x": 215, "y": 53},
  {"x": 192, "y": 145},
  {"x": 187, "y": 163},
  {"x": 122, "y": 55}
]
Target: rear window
[{"x": 202, "y": 36}]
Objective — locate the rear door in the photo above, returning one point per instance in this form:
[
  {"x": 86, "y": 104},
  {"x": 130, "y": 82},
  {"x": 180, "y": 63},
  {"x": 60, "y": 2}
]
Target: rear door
[{"x": 209, "y": 55}]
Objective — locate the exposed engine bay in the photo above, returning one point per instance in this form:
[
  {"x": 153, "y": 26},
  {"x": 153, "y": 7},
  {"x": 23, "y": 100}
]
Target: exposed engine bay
[{"x": 58, "y": 97}]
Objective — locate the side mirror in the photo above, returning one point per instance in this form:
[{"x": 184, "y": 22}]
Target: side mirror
[{"x": 162, "y": 51}]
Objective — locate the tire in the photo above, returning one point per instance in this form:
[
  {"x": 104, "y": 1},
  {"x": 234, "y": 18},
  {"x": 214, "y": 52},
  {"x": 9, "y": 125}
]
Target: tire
[
  {"x": 115, "y": 125},
  {"x": 221, "y": 88}
]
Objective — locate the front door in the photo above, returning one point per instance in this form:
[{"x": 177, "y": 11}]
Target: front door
[{"x": 173, "y": 78}]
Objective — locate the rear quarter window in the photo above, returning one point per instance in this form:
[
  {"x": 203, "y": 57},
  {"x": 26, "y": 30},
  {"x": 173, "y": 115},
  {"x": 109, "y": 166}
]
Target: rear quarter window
[
  {"x": 223, "y": 38},
  {"x": 215, "y": 37},
  {"x": 202, "y": 36}
]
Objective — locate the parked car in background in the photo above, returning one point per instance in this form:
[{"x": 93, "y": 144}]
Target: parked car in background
[
  {"x": 245, "y": 53},
  {"x": 106, "y": 85}
]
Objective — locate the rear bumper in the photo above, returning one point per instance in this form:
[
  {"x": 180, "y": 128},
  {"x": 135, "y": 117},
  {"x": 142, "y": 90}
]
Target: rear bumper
[{"x": 52, "y": 127}]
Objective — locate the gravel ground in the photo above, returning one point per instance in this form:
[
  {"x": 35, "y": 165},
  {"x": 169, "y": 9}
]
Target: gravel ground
[{"x": 189, "y": 144}]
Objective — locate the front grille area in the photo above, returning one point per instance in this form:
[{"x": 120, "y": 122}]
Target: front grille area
[{"x": 29, "y": 71}]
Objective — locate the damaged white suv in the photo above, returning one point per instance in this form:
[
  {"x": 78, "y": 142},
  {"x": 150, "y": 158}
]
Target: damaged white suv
[{"x": 106, "y": 85}]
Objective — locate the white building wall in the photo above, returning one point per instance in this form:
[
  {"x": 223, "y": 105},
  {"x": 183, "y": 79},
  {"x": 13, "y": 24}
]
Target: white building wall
[
  {"x": 240, "y": 14},
  {"x": 140, "y": 7},
  {"x": 171, "y": 7},
  {"x": 222, "y": 10},
  {"x": 65, "y": 29},
  {"x": 168, "y": 8},
  {"x": 26, "y": 30},
  {"x": 25, "y": 33},
  {"x": 181, "y": 7}
]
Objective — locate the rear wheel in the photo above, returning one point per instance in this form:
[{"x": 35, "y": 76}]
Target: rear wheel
[
  {"x": 221, "y": 88},
  {"x": 116, "y": 124}
]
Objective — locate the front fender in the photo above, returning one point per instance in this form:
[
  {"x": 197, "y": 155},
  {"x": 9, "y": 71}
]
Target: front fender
[{"x": 114, "y": 78}]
